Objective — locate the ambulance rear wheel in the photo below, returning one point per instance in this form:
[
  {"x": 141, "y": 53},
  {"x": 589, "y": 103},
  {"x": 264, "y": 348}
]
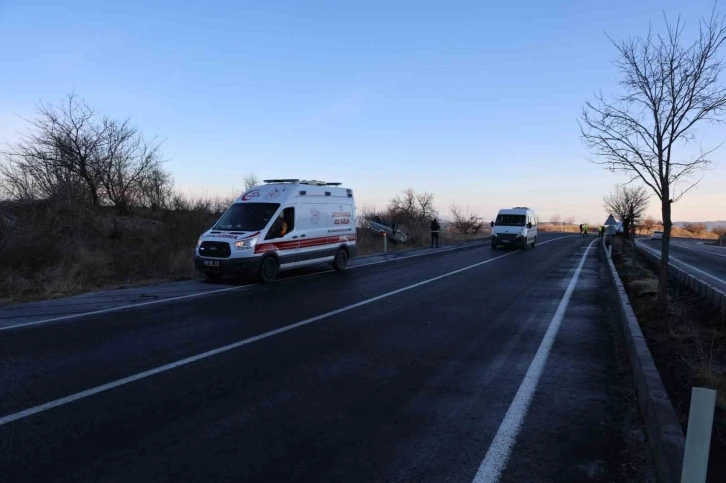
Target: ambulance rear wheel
[
  {"x": 268, "y": 270},
  {"x": 341, "y": 260}
]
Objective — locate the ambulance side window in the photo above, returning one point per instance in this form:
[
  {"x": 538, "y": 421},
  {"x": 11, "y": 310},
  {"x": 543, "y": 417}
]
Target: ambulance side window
[
  {"x": 284, "y": 224},
  {"x": 289, "y": 215}
]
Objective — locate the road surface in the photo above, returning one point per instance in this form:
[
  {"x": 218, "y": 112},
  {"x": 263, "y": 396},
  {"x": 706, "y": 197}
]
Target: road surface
[
  {"x": 706, "y": 262},
  {"x": 474, "y": 365}
]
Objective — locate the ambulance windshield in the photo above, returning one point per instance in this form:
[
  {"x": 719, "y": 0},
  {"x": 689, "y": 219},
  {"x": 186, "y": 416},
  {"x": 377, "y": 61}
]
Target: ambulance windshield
[{"x": 247, "y": 216}]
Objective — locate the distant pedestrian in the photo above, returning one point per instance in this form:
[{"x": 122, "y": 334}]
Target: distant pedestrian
[
  {"x": 580, "y": 228},
  {"x": 435, "y": 228},
  {"x": 584, "y": 228}
]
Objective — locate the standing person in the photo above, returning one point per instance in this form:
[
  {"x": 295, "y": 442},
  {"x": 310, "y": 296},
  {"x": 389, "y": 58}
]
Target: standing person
[
  {"x": 584, "y": 227},
  {"x": 580, "y": 229},
  {"x": 435, "y": 227}
]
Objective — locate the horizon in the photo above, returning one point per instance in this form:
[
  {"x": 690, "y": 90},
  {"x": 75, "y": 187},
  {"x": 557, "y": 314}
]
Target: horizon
[{"x": 476, "y": 104}]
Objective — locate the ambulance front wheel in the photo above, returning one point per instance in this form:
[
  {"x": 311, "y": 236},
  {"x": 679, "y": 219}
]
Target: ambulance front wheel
[
  {"x": 341, "y": 260},
  {"x": 268, "y": 270}
]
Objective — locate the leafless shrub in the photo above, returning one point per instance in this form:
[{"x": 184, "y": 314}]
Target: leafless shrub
[
  {"x": 695, "y": 227},
  {"x": 465, "y": 220},
  {"x": 250, "y": 181},
  {"x": 629, "y": 204}
]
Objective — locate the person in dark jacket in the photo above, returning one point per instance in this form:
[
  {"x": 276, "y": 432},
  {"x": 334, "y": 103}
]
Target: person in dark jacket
[{"x": 435, "y": 227}]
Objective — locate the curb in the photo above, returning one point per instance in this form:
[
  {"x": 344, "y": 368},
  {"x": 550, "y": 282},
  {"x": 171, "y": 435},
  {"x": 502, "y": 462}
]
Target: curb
[
  {"x": 665, "y": 436},
  {"x": 703, "y": 289}
]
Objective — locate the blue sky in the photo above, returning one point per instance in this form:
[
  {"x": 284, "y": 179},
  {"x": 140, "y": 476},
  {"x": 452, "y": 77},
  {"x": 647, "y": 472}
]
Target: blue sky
[{"x": 473, "y": 101}]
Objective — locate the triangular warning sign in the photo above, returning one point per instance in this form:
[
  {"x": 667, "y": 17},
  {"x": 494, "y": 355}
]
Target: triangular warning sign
[{"x": 610, "y": 221}]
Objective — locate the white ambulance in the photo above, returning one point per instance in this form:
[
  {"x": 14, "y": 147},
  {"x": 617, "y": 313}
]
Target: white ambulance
[
  {"x": 283, "y": 224},
  {"x": 515, "y": 227}
]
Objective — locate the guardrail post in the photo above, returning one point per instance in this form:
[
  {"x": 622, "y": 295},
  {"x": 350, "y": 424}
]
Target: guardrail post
[
  {"x": 698, "y": 437},
  {"x": 385, "y": 242}
]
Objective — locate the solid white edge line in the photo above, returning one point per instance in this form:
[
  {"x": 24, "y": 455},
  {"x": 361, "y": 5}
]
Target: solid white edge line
[
  {"x": 228, "y": 289},
  {"x": 501, "y": 447},
  {"x": 681, "y": 245},
  {"x": 167, "y": 367},
  {"x": 674, "y": 259}
]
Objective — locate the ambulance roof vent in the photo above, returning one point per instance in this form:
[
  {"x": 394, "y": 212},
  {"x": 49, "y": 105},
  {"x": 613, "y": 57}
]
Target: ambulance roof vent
[
  {"x": 520, "y": 208},
  {"x": 314, "y": 182},
  {"x": 278, "y": 181}
]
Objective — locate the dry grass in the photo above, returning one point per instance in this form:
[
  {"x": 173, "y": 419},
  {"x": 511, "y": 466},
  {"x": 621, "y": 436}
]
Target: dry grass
[
  {"x": 560, "y": 228},
  {"x": 688, "y": 343},
  {"x": 643, "y": 287},
  {"x": 53, "y": 251}
]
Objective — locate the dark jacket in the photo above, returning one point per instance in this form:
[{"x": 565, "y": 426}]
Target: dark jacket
[{"x": 435, "y": 225}]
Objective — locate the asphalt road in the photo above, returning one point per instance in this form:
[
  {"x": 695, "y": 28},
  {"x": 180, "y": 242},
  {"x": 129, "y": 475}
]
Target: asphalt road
[
  {"x": 443, "y": 368},
  {"x": 704, "y": 261}
]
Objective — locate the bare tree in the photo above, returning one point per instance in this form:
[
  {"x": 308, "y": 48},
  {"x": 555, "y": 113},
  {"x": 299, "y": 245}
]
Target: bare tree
[
  {"x": 250, "y": 181},
  {"x": 466, "y": 220},
  {"x": 125, "y": 161},
  {"x": 570, "y": 220},
  {"x": 73, "y": 153},
  {"x": 556, "y": 219},
  {"x": 156, "y": 190},
  {"x": 649, "y": 223},
  {"x": 426, "y": 208},
  {"x": 57, "y": 153},
  {"x": 669, "y": 86},
  {"x": 412, "y": 207},
  {"x": 629, "y": 204}
]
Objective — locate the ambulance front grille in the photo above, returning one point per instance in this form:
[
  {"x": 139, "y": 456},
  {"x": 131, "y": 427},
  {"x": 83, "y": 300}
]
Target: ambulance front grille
[{"x": 213, "y": 249}]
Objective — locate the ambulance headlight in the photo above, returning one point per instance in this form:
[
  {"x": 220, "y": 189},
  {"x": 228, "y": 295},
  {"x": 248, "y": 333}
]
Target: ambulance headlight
[
  {"x": 245, "y": 244},
  {"x": 522, "y": 232},
  {"x": 199, "y": 242}
]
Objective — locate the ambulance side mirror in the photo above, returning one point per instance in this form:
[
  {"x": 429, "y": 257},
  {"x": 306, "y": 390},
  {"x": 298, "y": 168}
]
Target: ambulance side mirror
[
  {"x": 529, "y": 225},
  {"x": 492, "y": 224}
]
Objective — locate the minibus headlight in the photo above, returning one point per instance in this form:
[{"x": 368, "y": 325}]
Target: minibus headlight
[
  {"x": 199, "y": 242},
  {"x": 522, "y": 232},
  {"x": 245, "y": 244}
]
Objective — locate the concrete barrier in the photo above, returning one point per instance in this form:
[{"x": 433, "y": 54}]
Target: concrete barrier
[
  {"x": 665, "y": 436},
  {"x": 703, "y": 289}
]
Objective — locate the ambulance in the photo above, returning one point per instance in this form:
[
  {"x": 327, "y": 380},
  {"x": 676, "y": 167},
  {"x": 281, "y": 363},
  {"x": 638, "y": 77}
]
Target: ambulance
[
  {"x": 283, "y": 224},
  {"x": 515, "y": 227}
]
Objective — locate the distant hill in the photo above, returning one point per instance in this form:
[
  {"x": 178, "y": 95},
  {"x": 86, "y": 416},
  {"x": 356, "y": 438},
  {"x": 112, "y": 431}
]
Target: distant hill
[{"x": 709, "y": 224}]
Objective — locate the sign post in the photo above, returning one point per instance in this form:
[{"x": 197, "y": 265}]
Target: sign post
[{"x": 698, "y": 437}]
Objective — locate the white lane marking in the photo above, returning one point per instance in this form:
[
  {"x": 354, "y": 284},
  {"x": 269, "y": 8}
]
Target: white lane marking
[
  {"x": 442, "y": 251},
  {"x": 674, "y": 259},
  {"x": 167, "y": 367},
  {"x": 212, "y": 292},
  {"x": 501, "y": 447},
  {"x": 680, "y": 245},
  {"x": 123, "y": 307}
]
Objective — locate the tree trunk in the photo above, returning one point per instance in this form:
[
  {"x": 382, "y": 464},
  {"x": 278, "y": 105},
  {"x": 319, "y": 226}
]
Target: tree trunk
[{"x": 664, "y": 254}]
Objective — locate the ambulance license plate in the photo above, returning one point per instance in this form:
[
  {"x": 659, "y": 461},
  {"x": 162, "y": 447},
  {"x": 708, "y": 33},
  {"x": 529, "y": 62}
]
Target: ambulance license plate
[
  {"x": 505, "y": 241},
  {"x": 211, "y": 263}
]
